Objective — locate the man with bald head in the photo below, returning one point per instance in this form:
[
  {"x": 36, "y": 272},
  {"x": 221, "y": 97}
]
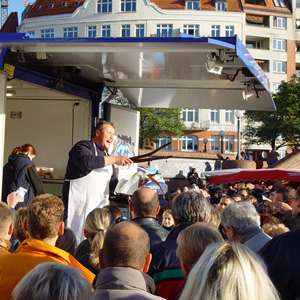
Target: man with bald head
[
  {"x": 123, "y": 259},
  {"x": 144, "y": 207}
]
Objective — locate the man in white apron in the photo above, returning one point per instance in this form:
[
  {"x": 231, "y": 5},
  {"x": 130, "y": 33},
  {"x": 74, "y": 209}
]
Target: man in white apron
[{"x": 90, "y": 176}]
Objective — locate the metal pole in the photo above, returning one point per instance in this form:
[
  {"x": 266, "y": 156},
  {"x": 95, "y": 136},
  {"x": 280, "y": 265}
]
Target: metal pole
[{"x": 222, "y": 146}]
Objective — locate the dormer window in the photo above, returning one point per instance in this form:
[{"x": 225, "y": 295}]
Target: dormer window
[
  {"x": 76, "y": 3},
  {"x": 51, "y": 5},
  {"x": 38, "y": 7},
  {"x": 279, "y": 3},
  {"x": 193, "y": 5},
  {"x": 220, "y": 5},
  {"x": 64, "y": 4}
]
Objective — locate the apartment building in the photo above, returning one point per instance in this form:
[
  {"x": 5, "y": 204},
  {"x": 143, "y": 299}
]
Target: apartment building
[{"x": 267, "y": 27}]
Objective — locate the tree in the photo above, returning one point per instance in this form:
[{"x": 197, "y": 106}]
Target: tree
[
  {"x": 156, "y": 122},
  {"x": 277, "y": 128}
]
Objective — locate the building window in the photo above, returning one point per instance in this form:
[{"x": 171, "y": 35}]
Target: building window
[
  {"x": 228, "y": 143},
  {"x": 64, "y": 4},
  {"x": 253, "y": 44},
  {"x": 128, "y": 5},
  {"x": 189, "y": 143},
  {"x": 164, "y": 30},
  {"x": 190, "y": 115},
  {"x": 279, "y": 45},
  {"x": 140, "y": 30},
  {"x": 126, "y": 30},
  {"x": 76, "y": 3},
  {"x": 47, "y": 33},
  {"x": 31, "y": 32},
  {"x": 229, "y": 116},
  {"x": 163, "y": 141},
  {"x": 106, "y": 31},
  {"x": 220, "y": 5},
  {"x": 215, "y": 115},
  {"x": 70, "y": 32},
  {"x": 192, "y": 4},
  {"x": 229, "y": 31},
  {"x": 280, "y": 23},
  {"x": 92, "y": 31},
  {"x": 297, "y": 3},
  {"x": 279, "y": 66},
  {"x": 215, "y": 30},
  {"x": 214, "y": 143},
  {"x": 51, "y": 5},
  {"x": 279, "y": 3},
  {"x": 191, "y": 29},
  {"x": 104, "y": 6}
]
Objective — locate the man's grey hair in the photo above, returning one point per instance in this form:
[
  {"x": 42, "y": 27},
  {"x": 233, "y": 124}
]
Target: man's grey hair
[
  {"x": 53, "y": 280},
  {"x": 241, "y": 216},
  {"x": 190, "y": 206}
]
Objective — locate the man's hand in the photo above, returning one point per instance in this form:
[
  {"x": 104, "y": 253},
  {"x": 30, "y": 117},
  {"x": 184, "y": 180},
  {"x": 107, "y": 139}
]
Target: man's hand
[
  {"x": 12, "y": 199},
  {"x": 281, "y": 207},
  {"x": 123, "y": 161}
]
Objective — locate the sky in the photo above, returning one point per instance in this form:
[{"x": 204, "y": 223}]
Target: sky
[{"x": 16, "y": 5}]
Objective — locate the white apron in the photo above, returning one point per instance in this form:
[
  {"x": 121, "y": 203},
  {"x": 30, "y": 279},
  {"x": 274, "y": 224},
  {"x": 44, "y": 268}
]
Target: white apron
[{"x": 85, "y": 194}]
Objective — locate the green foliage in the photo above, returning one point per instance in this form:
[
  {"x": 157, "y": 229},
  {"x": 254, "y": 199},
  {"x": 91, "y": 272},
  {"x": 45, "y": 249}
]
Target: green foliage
[
  {"x": 156, "y": 122},
  {"x": 281, "y": 127}
]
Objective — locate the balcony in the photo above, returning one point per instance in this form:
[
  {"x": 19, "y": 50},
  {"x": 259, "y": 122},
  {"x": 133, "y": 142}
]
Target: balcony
[{"x": 201, "y": 125}]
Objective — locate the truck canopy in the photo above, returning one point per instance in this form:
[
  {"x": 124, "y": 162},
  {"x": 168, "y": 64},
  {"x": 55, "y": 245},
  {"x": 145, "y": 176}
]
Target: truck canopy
[{"x": 183, "y": 72}]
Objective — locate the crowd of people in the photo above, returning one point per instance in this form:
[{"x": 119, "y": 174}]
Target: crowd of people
[{"x": 207, "y": 242}]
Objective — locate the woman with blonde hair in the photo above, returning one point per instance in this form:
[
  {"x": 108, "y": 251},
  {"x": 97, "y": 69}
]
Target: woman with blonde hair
[
  {"x": 96, "y": 224},
  {"x": 229, "y": 271},
  {"x": 20, "y": 175}
]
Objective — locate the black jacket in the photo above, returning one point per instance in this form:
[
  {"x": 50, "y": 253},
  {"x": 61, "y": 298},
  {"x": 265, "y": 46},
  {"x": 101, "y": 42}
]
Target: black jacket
[
  {"x": 19, "y": 172},
  {"x": 281, "y": 254}
]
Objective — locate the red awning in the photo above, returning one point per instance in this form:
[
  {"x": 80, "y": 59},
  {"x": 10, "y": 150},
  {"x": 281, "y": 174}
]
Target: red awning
[{"x": 257, "y": 176}]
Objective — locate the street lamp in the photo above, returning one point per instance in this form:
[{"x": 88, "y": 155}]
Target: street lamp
[
  {"x": 238, "y": 114},
  {"x": 222, "y": 133},
  {"x": 205, "y": 141}
]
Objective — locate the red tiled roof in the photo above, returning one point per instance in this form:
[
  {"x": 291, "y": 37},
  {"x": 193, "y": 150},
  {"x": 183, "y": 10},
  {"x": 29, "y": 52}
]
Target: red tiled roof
[
  {"x": 11, "y": 24},
  {"x": 42, "y": 7},
  {"x": 232, "y": 5},
  {"x": 267, "y": 9}
]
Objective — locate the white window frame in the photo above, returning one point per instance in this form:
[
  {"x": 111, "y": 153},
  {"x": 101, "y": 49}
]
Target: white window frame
[
  {"x": 279, "y": 66},
  {"x": 128, "y": 5},
  {"x": 125, "y": 30},
  {"x": 163, "y": 141},
  {"x": 164, "y": 30},
  {"x": 105, "y": 30},
  {"x": 192, "y": 5},
  {"x": 229, "y": 116},
  {"x": 214, "y": 143},
  {"x": 228, "y": 141},
  {"x": 47, "y": 33},
  {"x": 190, "y": 140},
  {"x": 279, "y": 3},
  {"x": 229, "y": 31},
  {"x": 70, "y": 32},
  {"x": 221, "y": 5},
  {"x": 191, "y": 29},
  {"x": 92, "y": 31},
  {"x": 279, "y": 45},
  {"x": 280, "y": 23},
  {"x": 104, "y": 6},
  {"x": 190, "y": 112},
  {"x": 140, "y": 30},
  {"x": 215, "y": 115},
  {"x": 215, "y": 30}
]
